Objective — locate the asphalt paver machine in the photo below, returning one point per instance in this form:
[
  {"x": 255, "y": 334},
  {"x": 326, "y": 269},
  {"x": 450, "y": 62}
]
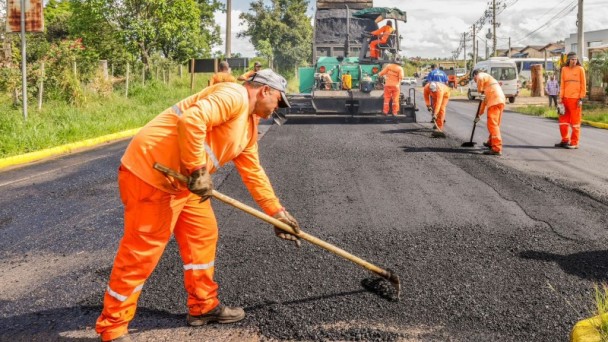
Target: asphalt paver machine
[{"x": 343, "y": 79}]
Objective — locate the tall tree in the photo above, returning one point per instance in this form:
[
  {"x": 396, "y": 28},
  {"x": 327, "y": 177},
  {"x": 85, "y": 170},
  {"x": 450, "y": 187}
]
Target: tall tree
[{"x": 285, "y": 25}]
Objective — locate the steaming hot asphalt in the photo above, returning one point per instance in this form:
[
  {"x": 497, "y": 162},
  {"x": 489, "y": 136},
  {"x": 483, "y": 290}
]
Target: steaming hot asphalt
[{"x": 485, "y": 252}]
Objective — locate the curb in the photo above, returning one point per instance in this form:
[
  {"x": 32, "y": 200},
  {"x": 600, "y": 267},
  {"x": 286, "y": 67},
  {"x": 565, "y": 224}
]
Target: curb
[
  {"x": 595, "y": 124},
  {"x": 64, "y": 149}
]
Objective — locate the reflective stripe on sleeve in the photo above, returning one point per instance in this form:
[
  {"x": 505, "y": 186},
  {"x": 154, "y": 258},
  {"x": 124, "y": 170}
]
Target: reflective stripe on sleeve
[
  {"x": 199, "y": 266},
  {"x": 177, "y": 110},
  {"x": 212, "y": 156}
]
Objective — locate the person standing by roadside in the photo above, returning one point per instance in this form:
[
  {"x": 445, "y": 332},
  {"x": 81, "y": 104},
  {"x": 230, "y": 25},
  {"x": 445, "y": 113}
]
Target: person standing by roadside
[
  {"x": 494, "y": 100},
  {"x": 223, "y": 75},
  {"x": 393, "y": 74},
  {"x": 552, "y": 90},
  {"x": 573, "y": 88},
  {"x": 196, "y": 136}
]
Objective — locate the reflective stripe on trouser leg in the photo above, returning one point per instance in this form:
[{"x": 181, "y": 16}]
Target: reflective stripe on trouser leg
[
  {"x": 147, "y": 227},
  {"x": 574, "y": 116},
  {"x": 196, "y": 235},
  {"x": 494, "y": 118},
  {"x": 391, "y": 92}
]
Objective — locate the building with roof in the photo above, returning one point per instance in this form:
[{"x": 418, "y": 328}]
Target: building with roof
[{"x": 591, "y": 38}]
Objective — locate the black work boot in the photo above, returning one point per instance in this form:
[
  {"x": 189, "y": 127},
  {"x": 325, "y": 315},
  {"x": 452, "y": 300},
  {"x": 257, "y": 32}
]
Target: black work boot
[
  {"x": 221, "y": 314},
  {"x": 563, "y": 144}
]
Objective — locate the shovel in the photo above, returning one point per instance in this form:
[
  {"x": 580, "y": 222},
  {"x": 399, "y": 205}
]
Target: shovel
[
  {"x": 471, "y": 143},
  {"x": 386, "y": 274}
]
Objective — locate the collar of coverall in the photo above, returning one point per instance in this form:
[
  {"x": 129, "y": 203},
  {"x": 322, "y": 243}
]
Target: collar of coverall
[{"x": 274, "y": 81}]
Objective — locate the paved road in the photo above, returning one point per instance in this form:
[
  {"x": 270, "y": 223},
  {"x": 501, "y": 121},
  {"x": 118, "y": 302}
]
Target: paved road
[{"x": 488, "y": 249}]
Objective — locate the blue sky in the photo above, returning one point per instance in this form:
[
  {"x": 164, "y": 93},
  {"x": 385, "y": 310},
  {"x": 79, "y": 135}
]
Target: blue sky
[{"x": 435, "y": 27}]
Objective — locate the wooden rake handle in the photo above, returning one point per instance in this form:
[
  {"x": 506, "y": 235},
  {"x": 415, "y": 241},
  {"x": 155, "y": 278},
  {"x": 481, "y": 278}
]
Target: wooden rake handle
[{"x": 390, "y": 276}]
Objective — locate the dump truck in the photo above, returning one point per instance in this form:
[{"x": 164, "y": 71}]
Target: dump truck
[{"x": 342, "y": 78}]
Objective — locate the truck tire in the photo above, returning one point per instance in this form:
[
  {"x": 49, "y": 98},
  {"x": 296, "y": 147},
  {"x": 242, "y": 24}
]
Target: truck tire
[
  {"x": 511, "y": 99},
  {"x": 469, "y": 96}
]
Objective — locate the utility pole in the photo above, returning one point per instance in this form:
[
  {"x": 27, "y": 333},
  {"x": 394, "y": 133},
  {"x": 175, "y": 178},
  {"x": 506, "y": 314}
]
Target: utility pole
[
  {"x": 509, "y": 53},
  {"x": 228, "y": 27},
  {"x": 580, "y": 38},
  {"x": 494, "y": 27},
  {"x": 475, "y": 47},
  {"x": 464, "y": 49},
  {"x": 23, "y": 61}
]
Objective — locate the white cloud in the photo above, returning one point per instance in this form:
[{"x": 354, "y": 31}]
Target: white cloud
[{"x": 241, "y": 45}]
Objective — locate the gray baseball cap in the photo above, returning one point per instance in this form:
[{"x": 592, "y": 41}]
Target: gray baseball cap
[{"x": 274, "y": 81}]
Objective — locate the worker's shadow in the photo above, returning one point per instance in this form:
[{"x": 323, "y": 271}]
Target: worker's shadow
[
  {"x": 591, "y": 265},
  {"x": 410, "y": 149},
  {"x": 57, "y": 324}
]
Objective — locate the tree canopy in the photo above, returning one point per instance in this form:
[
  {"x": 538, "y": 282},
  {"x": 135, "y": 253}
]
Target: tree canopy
[{"x": 285, "y": 25}]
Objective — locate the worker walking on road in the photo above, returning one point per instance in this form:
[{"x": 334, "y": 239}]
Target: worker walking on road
[
  {"x": 493, "y": 99},
  {"x": 437, "y": 75},
  {"x": 573, "y": 89},
  {"x": 440, "y": 94},
  {"x": 382, "y": 34},
  {"x": 393, "y": 74},
  {"x": 223, "y": 75},
  {"x": 257, "y": 66},
  {"x": 196, "y": 136}
]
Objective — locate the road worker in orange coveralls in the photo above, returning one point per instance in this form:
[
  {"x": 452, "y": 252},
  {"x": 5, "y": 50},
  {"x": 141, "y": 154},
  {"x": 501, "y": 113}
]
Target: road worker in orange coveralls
[
  {"x": 493, "y": 99},
  {"x": 382, "y": 34},
  {"x": 573, "y": 89},
  {"x": 196, "y": 136},
  {"x": 223, "y": 75},
  {"x": 440, "y": 93},
  {"x": 393, "y": 74},
  {"x": 257, "y": 66}
]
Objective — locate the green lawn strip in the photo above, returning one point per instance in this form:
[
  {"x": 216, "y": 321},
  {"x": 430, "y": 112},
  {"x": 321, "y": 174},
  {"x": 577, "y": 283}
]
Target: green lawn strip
[
  {"x": 593, "y": 115},
  {"x": 59, "y": 123}
]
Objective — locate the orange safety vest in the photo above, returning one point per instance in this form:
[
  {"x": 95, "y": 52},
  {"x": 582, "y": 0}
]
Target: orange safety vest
[
  {"x": 394, "y": 74},
  {"x": 222, "y": 76},
  {"x": 573, "y": 84},
  {"x": 383, "y": 33},
  {"x": 491, "y": 89},
  {"x": 212, "y": 128}
]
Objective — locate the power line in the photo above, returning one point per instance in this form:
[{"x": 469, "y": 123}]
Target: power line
[{"x": 560, "y": 14}]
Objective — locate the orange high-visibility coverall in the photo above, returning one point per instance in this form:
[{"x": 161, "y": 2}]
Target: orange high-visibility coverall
[
  {"x": 209, "y": 128},
  {"x": 394, "y": 75},
  {"x": 383, "y": 34},
  {"x": 573, "y": 88},
  {"x": 440, "y": 101},
  {"x": 222, "y": 76},
  {"x": 495, "y": 103}
]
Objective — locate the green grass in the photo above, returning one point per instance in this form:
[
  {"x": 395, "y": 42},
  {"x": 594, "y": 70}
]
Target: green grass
[
  {"x": 59, "y": 123},
  {"x": 591, "y": 112},
  {"x": 601, "y": 306}
]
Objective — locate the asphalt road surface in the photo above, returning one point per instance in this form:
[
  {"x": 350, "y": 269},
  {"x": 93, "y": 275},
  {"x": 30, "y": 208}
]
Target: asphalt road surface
[{"x": 487, "y": 248}]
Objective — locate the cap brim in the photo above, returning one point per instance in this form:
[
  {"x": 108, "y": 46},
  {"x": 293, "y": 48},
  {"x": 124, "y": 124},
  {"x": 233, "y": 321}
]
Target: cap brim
[{"x": 284, "y": 103}]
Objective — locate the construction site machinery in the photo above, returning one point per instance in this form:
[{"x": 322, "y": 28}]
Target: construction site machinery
[{"x": 343, "y": 79}]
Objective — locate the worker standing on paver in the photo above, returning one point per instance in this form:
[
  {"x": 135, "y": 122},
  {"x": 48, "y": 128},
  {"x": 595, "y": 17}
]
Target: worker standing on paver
[
  {"x": 493, "y": 99},
  {"x": 223, "y": 75},
  {"x": 393, "y": 74},
  {"x": 196, "y": 136},
  {"x": 440, "y": 94},
  {"x": 257, "y": 66},
  {"x": 573, "y": 88},
  {"x": 382, "y": 34}
]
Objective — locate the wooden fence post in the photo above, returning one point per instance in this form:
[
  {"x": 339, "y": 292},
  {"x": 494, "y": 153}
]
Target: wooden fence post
[
  {"x": 192, "y": 75},
  {"x": 41, "y": 87},
  {"x": 127, "y": 82},
  {"x": 103, "y": 65}
]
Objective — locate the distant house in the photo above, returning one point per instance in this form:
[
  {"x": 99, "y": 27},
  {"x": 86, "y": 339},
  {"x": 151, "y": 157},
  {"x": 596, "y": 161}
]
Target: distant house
[
  {"x": 592, "y": 39},
  {"x": 553, "y": 49},
  {"x": 505, "y": 52},
  {"x": 530, "y": 51}
]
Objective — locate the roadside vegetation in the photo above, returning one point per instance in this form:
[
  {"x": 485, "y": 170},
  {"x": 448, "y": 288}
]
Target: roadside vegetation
[
  {"x": 60, "y": 122},
  {"x": 591, "y": 112}
]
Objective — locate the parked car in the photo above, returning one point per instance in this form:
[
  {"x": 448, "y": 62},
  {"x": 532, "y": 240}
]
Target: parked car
[
  {"x": 503, "y": 69},
  {"x": 408, "y": 81}
]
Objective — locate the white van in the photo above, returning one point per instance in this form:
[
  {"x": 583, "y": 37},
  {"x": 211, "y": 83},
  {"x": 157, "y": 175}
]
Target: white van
[{"x": 503, "y": 69}]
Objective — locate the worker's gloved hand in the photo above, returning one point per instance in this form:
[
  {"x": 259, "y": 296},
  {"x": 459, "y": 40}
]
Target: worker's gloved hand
[
  {"x": 482, "y": 97},
  {"x": 286, "y": 218},
  {"x": 200, "y": 183},
  {"x": 476, "y": 119},
  {"x": 429, "y": 108}
]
